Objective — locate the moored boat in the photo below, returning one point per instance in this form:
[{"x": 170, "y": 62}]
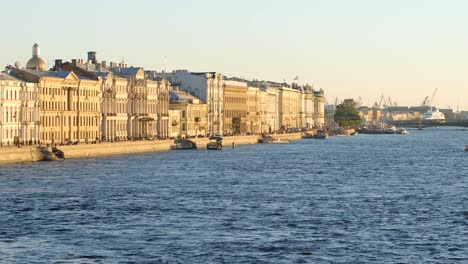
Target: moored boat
[
  {"x": 307, "y": 135},
  {"x": 279, "y": 141},
  {"x": 466, "y": 147},
  {"x": 265, "y": 139},
  {"x": 390, "y": 130},
  {"x": 182, "y": 143},
  {"x": 433, "y": 114},
  {"x": 215, "y": 144},
  {"x": 320, "y": 134},
  {"x": 402, "y": 131}
]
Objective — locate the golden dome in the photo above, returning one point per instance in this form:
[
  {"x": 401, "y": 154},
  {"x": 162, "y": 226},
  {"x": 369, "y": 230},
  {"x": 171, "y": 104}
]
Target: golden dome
[{"x": 36, "y": 62}]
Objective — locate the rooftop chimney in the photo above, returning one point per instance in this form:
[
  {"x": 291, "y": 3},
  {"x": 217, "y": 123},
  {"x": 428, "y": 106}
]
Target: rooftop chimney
[
  {"x": 58, "y": 64},
  {"x": 92, "y": 57},
  {"x": 74, "y": 62},
  {"x": 103, "y": 63}
]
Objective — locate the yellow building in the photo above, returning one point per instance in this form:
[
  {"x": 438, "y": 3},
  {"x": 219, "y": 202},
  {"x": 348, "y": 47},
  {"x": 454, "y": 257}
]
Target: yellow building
[
  {"x": 235, "y": 107},
  {"x": 256, "y": 111},
  {"x": 174, "y": 122},
  {"x": 69, "y": 106},
  {"x": 193, "y": 114}
]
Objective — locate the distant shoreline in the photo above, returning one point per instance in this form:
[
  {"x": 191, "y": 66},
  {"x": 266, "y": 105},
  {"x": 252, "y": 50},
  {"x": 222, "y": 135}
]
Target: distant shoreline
[{"x": 11, "y": 155}]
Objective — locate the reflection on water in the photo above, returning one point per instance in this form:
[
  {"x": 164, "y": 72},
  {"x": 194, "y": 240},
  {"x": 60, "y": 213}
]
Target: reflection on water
[{"x": 370, "y": 198}]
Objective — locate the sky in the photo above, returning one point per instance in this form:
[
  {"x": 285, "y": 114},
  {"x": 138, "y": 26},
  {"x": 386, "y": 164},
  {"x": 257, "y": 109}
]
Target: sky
[{"x": 361, "y": 48}]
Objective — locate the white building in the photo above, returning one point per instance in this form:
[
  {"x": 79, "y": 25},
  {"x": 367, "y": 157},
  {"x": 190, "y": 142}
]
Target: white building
[
  {"x": 207, "y": 86},
  {"x": 19, "y": 111},
  {"x": 319, "y": 109},
  {"x": 307, "y": 107},
  {"x": 272, "y": 113}
]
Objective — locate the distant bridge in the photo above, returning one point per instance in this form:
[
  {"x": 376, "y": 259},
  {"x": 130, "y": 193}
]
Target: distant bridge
[{"x": 429, "y": 123}]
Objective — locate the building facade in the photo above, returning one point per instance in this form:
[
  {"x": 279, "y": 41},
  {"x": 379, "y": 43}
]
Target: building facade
[
  {"x": 113, "y": 96},
  {"x": 257, "y": 107},
  {"x": 289, "y": 108},
  {"x": 69, "y": 106},
  {"x": 208, "y": 87},
  {"x": 272, "y": 115},
  {"x": 174, "y": 121},
  {"x": 307, "y": 107},
  {"x": 235, "y": 107},
  {"x": 19, "y": 111},
  {"x": 319, "y": 109},
  {"x": 193, "y": 114}
]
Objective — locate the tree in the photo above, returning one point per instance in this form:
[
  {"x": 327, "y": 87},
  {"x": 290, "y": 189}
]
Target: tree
[{"x": 346, "y": 114}]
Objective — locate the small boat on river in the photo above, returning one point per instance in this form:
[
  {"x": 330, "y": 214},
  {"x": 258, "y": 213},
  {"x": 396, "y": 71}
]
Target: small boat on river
[
  {"x": 466, "y": 147},
  {"x": 390, "y": 130},
  {"x": 216, "y": 143},
  {"x": 272, "y": 140},
  {"x": 320, "y": 134},
  {"x": 279, "y": 141},
  {"x": 183, "y": 143},
  {"x": 307, "y": 135},
  {"x": 402, "y": 131},
  {"x": 265, "y": 140}
]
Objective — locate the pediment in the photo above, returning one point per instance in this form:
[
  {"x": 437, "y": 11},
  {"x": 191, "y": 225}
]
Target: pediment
[{"x": 71, "y": 77}]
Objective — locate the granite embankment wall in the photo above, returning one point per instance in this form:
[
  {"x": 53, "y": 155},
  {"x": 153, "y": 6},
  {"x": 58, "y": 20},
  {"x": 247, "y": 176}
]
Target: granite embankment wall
[{"x": 25, "y": 154}]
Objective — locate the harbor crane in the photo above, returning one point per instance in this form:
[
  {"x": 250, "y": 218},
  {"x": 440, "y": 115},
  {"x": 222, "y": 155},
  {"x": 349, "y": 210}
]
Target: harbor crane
[
  {"x": 431, "y": 101},
  {"x": 428, "y": 101}
]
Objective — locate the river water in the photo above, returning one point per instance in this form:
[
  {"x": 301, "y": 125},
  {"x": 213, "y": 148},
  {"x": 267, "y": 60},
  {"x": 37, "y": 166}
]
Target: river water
[{"x": 363, "y": 199}]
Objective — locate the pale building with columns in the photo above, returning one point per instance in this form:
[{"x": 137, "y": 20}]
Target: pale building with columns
[
  {"x": 19, "y": 111},
  {"x": 272, "y": 115},
  {"x": 69, "y": 105},
  {"x": 307, "y": 107},
  {"x": 257, "y": 108},
  {"x": 113, "y": 95},
  {"x": 289, "y": 108},
  {"x": 148, "y": 108},
  {"x": 235, "y": 107},
  {"x": 319, "y": 109},
  {"x": 208, "y": 87}
]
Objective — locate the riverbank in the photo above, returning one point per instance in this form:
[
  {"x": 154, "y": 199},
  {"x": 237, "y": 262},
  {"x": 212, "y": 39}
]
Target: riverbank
[{"x": 28, "y": 154}]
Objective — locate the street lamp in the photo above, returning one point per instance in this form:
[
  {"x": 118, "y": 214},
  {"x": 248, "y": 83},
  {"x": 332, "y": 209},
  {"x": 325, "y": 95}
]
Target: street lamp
[
  {"x": 57, "y": 118},
  {"x": 197, "y": 120},
  {"x": 16, "y": 140},
  {"x": 99, "y": 128},
  {"x": 52, "y": 136}
]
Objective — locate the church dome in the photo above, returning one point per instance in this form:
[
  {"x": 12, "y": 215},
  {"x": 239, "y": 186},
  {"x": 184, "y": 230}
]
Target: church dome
[{"x": 36, "y": 62}]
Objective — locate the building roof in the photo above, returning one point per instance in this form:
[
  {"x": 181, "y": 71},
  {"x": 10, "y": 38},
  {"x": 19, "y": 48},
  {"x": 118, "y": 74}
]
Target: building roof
[
  {"x": 177, "y": 96},
  {"x": 126, "y": 71},
  {"x": 7, "y": 77},
  {"x": 57, "y": 74}
]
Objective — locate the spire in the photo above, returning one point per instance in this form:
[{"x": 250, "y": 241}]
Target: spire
[{"x": 36, "y": 51}]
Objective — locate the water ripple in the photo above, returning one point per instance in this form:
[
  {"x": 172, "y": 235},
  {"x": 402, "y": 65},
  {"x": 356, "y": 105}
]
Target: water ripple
[{"x": 371, "y": 198}]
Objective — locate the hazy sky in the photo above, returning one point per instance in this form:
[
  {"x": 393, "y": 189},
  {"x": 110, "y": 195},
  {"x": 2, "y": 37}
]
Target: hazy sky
[{"x": 400, "y": 48}]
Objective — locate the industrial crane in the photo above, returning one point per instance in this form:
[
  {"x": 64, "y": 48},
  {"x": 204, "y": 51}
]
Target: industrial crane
[
  {"x": 431, "y": 101},
  {"x": 428, "y": 101}
]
